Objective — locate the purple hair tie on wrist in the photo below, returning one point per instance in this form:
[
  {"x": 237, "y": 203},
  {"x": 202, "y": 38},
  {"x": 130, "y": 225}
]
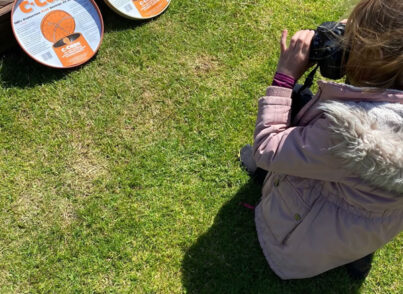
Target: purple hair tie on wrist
[{"x": 282, "y": 80}]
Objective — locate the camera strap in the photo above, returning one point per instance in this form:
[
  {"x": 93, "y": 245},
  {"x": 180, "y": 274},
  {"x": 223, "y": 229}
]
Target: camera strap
[{"x": 309, "y": 80}]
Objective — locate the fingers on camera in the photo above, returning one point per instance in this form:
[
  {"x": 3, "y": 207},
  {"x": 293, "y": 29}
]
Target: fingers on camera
[
  {"x": 283, "y": 40},
  {"x": 302, "y": 39}
]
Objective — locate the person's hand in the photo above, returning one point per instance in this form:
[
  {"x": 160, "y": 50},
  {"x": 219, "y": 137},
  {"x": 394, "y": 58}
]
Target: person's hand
[{"x": 294, "y": 60}]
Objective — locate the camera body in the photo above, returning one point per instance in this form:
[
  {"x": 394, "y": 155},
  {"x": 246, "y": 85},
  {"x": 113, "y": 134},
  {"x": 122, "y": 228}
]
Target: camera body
[{"x": 327, "y": 51}]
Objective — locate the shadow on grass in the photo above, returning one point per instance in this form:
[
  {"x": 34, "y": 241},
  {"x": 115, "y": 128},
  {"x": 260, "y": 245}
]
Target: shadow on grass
[
  {"x": 228, "y": 258},
  {"x": 21, "y": 71}
]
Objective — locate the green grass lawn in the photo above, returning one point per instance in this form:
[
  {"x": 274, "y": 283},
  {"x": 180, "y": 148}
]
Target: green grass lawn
[{"x": 122, "y": 176}]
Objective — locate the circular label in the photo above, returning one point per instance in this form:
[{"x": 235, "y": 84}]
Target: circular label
[
  {"x": 58, "y": 33},
  {"x": 56, "y": 25},
  {"x": 138, "y": 9}
]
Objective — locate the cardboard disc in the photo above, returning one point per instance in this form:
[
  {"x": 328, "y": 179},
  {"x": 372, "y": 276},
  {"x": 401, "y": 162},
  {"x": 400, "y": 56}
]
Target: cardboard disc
[
  {"x": 58, "y": 33},
  {"x": 138, "y": 9}
]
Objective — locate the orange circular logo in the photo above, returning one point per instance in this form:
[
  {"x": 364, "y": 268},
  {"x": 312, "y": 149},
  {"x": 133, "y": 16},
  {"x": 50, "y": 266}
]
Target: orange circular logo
[{"x": 56, "y": 25}]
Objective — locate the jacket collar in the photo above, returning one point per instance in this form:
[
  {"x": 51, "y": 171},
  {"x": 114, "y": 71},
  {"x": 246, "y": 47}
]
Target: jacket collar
[{"x": 343, "y": 92}]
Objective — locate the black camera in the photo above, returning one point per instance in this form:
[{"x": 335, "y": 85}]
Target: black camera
[{"x": 327, "y": 51}]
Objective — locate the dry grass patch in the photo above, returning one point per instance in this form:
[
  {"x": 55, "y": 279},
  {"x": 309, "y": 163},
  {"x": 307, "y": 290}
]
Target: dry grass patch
[
  {"x": 84, "y": 166},
  {"x": 205, "y": 64}
]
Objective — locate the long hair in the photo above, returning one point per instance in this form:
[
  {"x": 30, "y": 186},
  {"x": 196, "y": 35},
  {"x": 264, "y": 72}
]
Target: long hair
[{"x": 374, "y": 38}]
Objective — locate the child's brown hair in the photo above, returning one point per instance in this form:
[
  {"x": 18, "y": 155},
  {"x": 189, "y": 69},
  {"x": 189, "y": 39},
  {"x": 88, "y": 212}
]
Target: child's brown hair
[{"x": 374, "y": 36}]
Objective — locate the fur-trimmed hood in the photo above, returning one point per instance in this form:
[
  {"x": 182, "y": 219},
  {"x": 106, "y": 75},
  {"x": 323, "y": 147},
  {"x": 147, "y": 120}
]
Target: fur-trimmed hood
[{"x": 369, "y": 140}]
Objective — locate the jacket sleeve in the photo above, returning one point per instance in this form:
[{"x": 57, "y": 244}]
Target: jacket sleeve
[{"x": 302, "y": 151}]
